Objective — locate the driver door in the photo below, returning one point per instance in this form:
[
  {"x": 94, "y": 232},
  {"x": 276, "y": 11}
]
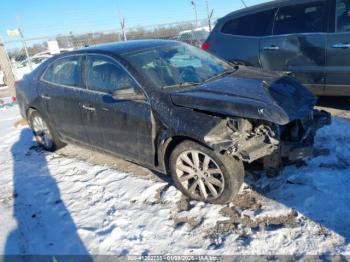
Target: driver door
[{"x": 120, "y": 126}]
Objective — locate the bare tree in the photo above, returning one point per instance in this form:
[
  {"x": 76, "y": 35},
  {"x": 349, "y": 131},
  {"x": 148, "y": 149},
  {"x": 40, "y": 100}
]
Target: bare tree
[{"x": 122, "y": 24}]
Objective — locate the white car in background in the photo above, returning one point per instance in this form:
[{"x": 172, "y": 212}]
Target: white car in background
[
  {"x": 194, "y": 37},
  {"x": 22, "y": 67}
]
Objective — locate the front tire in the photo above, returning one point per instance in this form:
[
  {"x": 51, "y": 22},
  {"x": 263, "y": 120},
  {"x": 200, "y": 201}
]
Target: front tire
[
  {"x": 43, "y": 133},
  {"x": 205, "y": 175}
]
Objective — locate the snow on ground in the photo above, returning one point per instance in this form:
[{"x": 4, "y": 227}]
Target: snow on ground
[
  {"x": 9, "y": 114},
  {"x": 55, "y": 204}
]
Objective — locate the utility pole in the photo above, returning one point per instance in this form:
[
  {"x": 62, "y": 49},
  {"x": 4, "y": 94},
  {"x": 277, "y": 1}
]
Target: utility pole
[
  {"x": 25, "y": 48},
  {"x": 209, "y": 14},
  {"x": 20, "y": 33},
  {"x": 195, "y": 11},
  {"x": 122, "y": 24}
]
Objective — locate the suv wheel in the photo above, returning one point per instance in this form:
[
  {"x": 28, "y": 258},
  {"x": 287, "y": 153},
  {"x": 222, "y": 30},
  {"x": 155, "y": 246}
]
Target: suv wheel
[
  {"x": 43, "y": 133},
  {"x": 205, "y": 175}
]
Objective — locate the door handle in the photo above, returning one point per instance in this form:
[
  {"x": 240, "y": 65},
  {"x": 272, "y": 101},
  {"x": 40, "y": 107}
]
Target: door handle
[
  {"x": 341, "y": 45},
  {"x": 271, "y": 48},
  {"x": 45, "y": 97},
  {"x": 89, "y": 108}
]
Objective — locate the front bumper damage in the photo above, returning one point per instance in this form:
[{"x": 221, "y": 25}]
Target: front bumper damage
[{"x": 252, "y": 140}]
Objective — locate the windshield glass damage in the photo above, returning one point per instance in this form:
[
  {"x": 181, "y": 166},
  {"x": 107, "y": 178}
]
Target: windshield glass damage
[{"x": 174, "y": 66}]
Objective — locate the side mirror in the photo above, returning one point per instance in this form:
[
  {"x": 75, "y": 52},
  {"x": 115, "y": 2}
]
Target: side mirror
[{"x": 127, "y": 94}]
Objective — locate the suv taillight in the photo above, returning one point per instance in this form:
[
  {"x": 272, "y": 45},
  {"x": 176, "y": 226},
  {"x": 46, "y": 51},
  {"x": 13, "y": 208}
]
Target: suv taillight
[{"x": 206, "y": 45}]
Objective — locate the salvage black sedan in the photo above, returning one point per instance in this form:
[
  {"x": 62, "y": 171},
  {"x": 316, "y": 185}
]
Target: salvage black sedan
[{"x": 173, "y": 108}]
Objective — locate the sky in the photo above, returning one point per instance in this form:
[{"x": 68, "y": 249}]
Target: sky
[{"x": 40, "y": 18}]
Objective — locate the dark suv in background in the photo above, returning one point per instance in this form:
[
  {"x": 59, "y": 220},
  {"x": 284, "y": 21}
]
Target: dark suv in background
[{"x": 309, "y": 39}]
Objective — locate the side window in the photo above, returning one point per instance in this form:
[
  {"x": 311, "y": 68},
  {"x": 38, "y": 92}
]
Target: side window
[
  {"x": 64, "y": 71},
  {"x": 104, "y": 75},
  {"x": 305, "y": 18},
  {"x": 343, "y": 16},
  {"x": 258, "y": 24}
]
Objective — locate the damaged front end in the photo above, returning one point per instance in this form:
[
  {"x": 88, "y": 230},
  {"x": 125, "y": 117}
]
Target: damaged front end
[{"x": 275, "y": 145}]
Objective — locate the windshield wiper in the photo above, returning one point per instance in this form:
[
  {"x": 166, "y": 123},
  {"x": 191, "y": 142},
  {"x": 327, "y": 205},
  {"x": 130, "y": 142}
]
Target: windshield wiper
[
  {"x": 187, "y": 84},
  {"x": 183, "y": 84},
  {"x": 222, "y": 74}
]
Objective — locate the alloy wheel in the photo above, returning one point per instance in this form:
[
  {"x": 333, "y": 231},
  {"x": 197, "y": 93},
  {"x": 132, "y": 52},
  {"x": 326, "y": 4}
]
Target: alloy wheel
[
  {"x": 42, "y": 132},
  {"x": 200, "y": 175}
]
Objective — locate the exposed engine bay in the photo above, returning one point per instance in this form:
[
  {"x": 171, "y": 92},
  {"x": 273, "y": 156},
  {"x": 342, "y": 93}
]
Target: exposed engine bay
[{"x": 251, "y": 140}]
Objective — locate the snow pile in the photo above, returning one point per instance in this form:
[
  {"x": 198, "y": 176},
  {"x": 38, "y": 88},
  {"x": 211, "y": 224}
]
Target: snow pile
[
  {"x": 5, "y": 103},
  {"x": 52, "y": 204}
]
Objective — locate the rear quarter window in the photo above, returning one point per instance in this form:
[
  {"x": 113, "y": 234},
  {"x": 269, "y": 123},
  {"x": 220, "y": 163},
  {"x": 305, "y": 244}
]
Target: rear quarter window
[
  {"x": 257, "y": 24},
  {"x": 65, "y": 71},
  {"x": 343, "y": 16},
  {"x": 304, "y": 18}
]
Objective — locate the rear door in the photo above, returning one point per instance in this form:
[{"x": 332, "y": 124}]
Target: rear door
[
  {"x": 120, "y": 126},
  {"x": 60, "y": 88},
  {"x": 338, "y": 51},
  {"x": 298, "y": 43}
]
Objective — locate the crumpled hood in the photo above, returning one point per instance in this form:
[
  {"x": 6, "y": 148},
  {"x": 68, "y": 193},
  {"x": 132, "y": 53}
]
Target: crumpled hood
[{"x": 250, "y": 93}]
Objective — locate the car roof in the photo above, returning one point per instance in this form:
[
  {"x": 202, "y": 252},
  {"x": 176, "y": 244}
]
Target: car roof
[
  {"x": 123, "y": 47},
  {"x": 265, "y": 6},
  {"x": 113, "y": 49}
]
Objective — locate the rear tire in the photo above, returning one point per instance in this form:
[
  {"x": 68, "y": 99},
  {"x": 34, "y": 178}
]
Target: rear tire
[
  {"x": 44, "y": 134},
  {"x": 204, "y": 175}
]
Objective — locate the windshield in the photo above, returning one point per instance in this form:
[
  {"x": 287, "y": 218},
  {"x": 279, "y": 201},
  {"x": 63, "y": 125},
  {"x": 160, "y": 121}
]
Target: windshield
[{"x": 177, "y": 65}]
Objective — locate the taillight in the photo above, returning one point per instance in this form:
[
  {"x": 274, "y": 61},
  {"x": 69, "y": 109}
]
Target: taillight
[
  {"x": 17, "y": 83},
  {"x": 206, "y": 45}
]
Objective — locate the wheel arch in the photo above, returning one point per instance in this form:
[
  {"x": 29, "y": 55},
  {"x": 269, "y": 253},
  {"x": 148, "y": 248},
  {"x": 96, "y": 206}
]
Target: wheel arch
[
  {"x": 29, "y": 109},
  {"x": 168, "y": 145},
  {"x": 43, "y": 114}
]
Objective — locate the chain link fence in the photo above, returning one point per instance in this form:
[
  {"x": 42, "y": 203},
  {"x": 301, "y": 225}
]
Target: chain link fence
[{"x": 20, "y": 62}]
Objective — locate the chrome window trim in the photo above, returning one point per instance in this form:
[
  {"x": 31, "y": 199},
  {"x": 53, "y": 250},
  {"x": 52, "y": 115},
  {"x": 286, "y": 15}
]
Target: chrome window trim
[
  {"x": 284, "y": 35},
  {"x": 325, "y": 2},
  {"x": 340, "y": 33},
  {"x": 336, "y": 21},
  {"x": 57, "y": 84},
  {"x": 122, "y": 67},
  {"x": 82, "y": 55},
  {"x": 335, "y": 18},
  {"x": 274, "y": 22},
  {"x": 252, "y": 13}
]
